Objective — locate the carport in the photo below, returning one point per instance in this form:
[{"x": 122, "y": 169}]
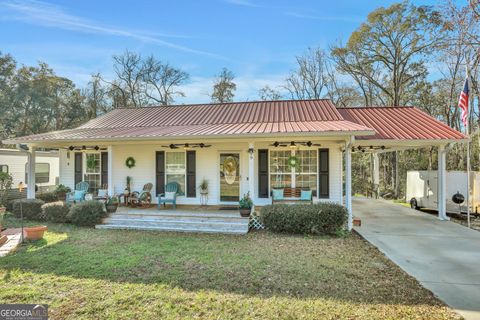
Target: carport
[{"x": 396, "y": 129}]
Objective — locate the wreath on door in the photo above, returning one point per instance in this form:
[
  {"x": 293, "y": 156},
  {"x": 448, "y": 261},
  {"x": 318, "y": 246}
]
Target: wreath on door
[
  {"x": 293, "y": 162},
  {"x": 230, "y": 169},
  {"x": 130, "y": 162}
]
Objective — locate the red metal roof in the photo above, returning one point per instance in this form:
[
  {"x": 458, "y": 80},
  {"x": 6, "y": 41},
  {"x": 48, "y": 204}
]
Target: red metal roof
[
  {"x": 83, "y": 134},
  {"x": 219, "y": 113},
  {"x": 257, "y": 117},
  {"x": 399, "y": 123}
]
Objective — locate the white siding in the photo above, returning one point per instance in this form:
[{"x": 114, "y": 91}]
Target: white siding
[
  {"x": 16, "y": 161},
  {"x": 67, "y": 168},
  {"x": 207, "y": 162}
]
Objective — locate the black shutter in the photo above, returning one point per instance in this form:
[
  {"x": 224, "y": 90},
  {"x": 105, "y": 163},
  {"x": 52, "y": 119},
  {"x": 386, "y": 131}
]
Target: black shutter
[
  {"x": 323, "y": 174},
  {"x": 104, "y": 169},
  {"x": 263, "y": 173},
  {"x": 78, "y": 167},
  {"x": 160, "y": 172},
  {"x": 191, "y": 174}
]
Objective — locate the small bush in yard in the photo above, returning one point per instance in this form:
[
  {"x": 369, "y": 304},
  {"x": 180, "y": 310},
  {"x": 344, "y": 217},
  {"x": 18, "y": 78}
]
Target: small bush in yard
[
  {"x": 47, "y": 196},
  {"x": 32, "y": 208},
  {"x": 55, "y": 211},
  {"x": 87, "y": 213},
  {"x": 320, "y": 218}
]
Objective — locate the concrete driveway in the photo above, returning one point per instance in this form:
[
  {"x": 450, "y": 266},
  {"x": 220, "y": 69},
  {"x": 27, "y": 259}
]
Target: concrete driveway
[{"x": 442, "y": 255}]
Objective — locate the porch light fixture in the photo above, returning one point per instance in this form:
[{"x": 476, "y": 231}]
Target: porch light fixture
[
  {"x": 96, "y": 148},
  {"x": 293, "y": 145},
  {"x": 251, "y": 152},
  {"x": 71, "y": 148},
  {"x": 186, "y": 147},
  {"x": 84, "y": 148}
]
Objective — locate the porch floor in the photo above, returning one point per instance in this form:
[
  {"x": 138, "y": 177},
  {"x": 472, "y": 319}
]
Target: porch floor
[{"x": 206, "y": 219}]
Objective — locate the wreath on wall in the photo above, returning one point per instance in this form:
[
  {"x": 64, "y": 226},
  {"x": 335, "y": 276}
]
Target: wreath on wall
[
  {"x": 293, "y": 162},
  {"x": 130, "y": 162}
]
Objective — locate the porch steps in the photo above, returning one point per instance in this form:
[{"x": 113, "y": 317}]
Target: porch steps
[{"x": 227, "y": 223}]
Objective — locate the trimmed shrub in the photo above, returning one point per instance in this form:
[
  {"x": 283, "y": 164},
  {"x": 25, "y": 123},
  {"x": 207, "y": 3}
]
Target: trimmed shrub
[
  {"x": 32, "y": 208},
  {"x": 87, "y": 213},
  {"x": 319, "y": 218},
  {"x": 55, "y": 211},
  {"x": 47, "y": 197}
]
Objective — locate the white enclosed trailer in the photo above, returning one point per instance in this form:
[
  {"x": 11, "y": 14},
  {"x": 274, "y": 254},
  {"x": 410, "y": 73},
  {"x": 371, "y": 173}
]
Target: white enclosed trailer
[
  {"x": 422, "y": 190},
  {"x": 47, "y": 166}
]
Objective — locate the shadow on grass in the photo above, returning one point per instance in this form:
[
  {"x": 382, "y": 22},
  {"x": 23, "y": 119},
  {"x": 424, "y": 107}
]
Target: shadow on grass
[{"x": 258, "y": 264}]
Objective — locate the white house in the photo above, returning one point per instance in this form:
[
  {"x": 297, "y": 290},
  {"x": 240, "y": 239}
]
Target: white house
[{"x": 237, "y": 147}]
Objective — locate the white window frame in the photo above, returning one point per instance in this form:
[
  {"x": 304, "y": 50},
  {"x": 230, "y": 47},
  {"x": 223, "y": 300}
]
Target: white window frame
[
  {"x": 293, "y": 171},
  {"x": 36, "y": 172},
  {"x": 185, "y": 165},
  {"x": 5, "y": 165},
  {"x": 84, "y": 166}
]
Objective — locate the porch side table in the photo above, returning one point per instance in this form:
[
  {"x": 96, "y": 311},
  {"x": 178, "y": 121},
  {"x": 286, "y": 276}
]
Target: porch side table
[{"x": 203, "y": 198}]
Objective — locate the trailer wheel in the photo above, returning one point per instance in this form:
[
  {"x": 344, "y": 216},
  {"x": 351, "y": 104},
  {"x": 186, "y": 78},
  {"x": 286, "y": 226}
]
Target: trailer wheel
[{"x": 414, "y": 204}]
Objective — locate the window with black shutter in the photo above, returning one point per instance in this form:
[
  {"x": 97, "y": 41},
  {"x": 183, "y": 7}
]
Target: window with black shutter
[
  {"x": 160, "y": 172},
  {"x": 323, "y": 174},
  {"x": 78, "y": 167},
  {"x": 263, "y": 173},
  {"x": 104, "y": 169},
  {"x": 191, "y": 175}
]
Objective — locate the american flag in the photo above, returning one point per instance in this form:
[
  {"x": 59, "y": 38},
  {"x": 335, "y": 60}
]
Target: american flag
[{"x": 463, "y": 102}]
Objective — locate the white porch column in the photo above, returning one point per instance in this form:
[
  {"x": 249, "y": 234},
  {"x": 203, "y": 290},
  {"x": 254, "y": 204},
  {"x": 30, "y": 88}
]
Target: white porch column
[
  {"x": 111, "y": 189},
  {"x": 31, "y": 173},
  {"x": 376, "y": 173},
  {"x": 348, "y": 184},
  {"x": 442, "y": 188},
  {"x": 251, "y": 170}
]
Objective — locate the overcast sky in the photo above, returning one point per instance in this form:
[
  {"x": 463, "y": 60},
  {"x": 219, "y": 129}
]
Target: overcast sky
[{"x": 257, "y": 40}]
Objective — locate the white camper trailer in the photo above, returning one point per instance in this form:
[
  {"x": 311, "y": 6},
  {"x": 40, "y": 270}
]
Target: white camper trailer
[
  {"x": 422, "y": 190},
  {"x": 46, "y": 167}
]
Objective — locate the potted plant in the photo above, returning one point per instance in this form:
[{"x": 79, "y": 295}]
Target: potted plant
[
  {"x": 126, "y": 192},
  {"x": 6, "y": 181},
  {"x": 61, "y": 191},
  {"x": 112, "y": 204},
  {"x": 204, "y": 187},
  {"x": 245, "y": 205},
  {"x": 35, "y": 233}
]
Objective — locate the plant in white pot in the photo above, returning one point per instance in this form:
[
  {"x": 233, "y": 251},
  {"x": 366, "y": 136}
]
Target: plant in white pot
[
  {"x": 245, "y": 205},
  {"x": 204, "y": 187}
]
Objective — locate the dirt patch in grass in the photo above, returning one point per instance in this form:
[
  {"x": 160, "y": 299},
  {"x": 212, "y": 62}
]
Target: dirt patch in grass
[{"x": 86, "y": 273}]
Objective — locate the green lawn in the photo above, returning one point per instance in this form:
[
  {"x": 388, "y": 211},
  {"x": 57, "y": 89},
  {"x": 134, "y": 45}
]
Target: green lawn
[{"x": 87, "y": 273}]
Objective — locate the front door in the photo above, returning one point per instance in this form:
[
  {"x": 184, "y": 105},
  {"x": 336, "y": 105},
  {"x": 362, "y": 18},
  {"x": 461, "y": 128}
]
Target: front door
[{"x": 229, "y": 177}]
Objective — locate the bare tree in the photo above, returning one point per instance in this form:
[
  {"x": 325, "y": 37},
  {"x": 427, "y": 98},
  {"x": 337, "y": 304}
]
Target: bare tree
[
  {"x": 388, "y": 49},
  {"x": 309, "y": 79},
  {"x": 162, "y": 81},
  {"x": 269, "y": 94},
  {"x": 96, "y": 96},
  {"x": 224, "y": 87}
]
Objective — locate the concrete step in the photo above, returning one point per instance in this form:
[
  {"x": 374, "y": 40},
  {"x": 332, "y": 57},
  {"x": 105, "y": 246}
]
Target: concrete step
[
  {"x": 214, "y": 222},
  {"x": 134, "y": 227},
  {"x": 166, "y": 218},
  {"x": 178, "y": 213}
]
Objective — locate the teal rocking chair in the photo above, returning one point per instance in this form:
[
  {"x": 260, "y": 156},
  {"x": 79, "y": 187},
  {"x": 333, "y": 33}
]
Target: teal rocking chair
[
  {"x": 78, "y": 195},
  {"x": 170, "y": 195}
]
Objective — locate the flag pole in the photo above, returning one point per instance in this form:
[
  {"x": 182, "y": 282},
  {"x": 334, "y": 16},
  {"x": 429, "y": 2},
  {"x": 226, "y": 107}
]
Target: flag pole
[{"x": 467, "y": 128}]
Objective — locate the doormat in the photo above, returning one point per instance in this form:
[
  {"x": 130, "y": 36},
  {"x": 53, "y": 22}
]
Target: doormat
[{"x": 228, "y": 208}]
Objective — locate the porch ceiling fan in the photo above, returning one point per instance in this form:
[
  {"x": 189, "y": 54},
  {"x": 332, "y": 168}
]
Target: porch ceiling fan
[
  {"x": 295, "y": 143},
  {"x": 187, "y": 145}
]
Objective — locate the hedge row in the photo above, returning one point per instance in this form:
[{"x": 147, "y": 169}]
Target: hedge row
[
  {"x": 86, "y": 213},
  {"x": 320, "y": 218}
]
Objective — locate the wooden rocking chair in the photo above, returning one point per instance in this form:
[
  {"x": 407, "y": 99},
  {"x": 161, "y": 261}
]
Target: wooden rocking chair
[{"x": 141, "y": 199}]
